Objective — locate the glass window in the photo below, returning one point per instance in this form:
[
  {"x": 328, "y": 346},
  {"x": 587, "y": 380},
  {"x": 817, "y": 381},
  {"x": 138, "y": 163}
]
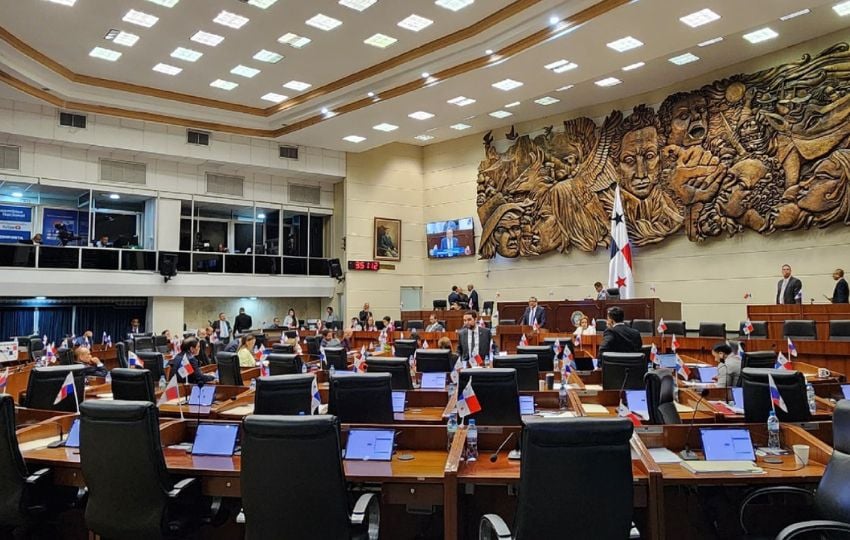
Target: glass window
[
  {"x": 317, "y": 235},
  {"x": 295, "y": 233}
]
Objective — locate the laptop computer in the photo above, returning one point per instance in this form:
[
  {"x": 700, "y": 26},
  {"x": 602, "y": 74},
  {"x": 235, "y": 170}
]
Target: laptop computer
[
  {"x": 202, "y": 395},
  {"x": 526, "y": 405},
  {"x": 370, "y": 444},
  {"x": 845, "y": 389},
  {"x": 398, "y": 401},
  {"x": 636, "y": 400},
  {"x": 73, "y": 440},
  {"x": 433, "y": 381},
  {"x": 738, "y": 396},
  {"x": 727, "y": 444},
  {"x": 215, "y": 440},
  {"x": 667, "y": 361},
  {"x": 707, "y": 374}
]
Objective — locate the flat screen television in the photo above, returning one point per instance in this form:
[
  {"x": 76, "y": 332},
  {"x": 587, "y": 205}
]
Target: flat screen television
[{"x": 450, "y": 238}]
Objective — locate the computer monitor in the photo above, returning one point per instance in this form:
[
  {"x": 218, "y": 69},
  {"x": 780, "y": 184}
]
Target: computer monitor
[
  {"x": 668, "y": 361},
  {"x": 370, "y": 444},
  {"x": 636, "y": 400},
  {"x": 202, "y": 395},
  {"x": 399, "y": 398},
  {"x": 727, "y": 444},
  {"x": 845, "y": 389},
  {"x": 526, "y": 405},
  {"x": 215, "y": 439},
  {"x": 73, "y": 440},
  {"x": 707, "y": 374},
  {"x": 496, "y": 390},
  {"x": 738, "y": 396},
  {"x": 433, "y": 381}
]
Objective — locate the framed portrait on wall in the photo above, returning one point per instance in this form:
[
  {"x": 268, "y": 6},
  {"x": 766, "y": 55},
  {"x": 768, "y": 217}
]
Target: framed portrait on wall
[{"x": 387, "y": 239}]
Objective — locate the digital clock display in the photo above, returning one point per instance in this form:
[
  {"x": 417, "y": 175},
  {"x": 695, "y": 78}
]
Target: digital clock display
[{"x": 368, "y": 266}]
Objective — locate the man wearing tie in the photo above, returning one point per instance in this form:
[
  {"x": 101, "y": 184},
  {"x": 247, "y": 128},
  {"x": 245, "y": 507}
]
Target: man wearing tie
[
  {"x": 472, "y": 339},
  {"x": 841, "y": 293},
  {"x": 534, "y": 313},
  {"x": 449, "y": 243},
  {"x": 789, "y": 290},
  {"x": 473, "y": 298},
  {"x": 618, "y": 337},
  {"x": 222, "y": 327},
  {"x": 454, "y": 296},
  {"x": 135, "y": 327}
]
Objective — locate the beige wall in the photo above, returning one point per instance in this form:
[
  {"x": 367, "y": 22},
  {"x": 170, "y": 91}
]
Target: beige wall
[{"x": 197, "y": 311}]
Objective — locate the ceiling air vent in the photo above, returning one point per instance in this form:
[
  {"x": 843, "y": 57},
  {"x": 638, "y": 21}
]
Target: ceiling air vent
[
  {"x": 201, "y": 138},
  {"x": 305, "y": 194},
  {"x": 288, "y": 152},
  {"x": 10, "y": 157},
  {"x": 72, "y": 120},
  {"x": 221, "y": 184},
  {"x": 127, "y": 172}
]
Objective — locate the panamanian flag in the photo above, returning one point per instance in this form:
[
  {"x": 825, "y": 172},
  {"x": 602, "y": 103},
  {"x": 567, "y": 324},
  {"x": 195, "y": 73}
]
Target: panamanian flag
[{"x": 620, "y": 266}]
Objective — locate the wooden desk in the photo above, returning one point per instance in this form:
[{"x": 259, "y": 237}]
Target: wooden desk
[
  {"x": 560, "y": 313},
  {"x": 452, "y": 318},
  {"x": 19, "y": 376},
  {"x": 225, "y": 397},
  {"x": 508, "y": 336},
  {"x": 610, "y": 399},
  {"x": 776, "y": 315}
]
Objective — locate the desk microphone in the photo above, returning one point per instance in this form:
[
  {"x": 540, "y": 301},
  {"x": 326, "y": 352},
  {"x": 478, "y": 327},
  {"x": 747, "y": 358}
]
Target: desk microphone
[
  {"x": 61, "y": 441},
  {"x": 623, "y": 386},
  {"x": 495, "y": 455},
  {"x": 687, "y": 454}
]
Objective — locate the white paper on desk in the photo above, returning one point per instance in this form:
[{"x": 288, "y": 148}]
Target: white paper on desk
[
  {"x": 559, "y": 414},
  {"x": 594, "y": 408},
  {"x": 39, "y": 443},
  {"x": 243, "y": 410},
  {"x": 104, "y": 396},
  {"x": 663, "y": 456},
  {"x": 597, "y": 387},
  {"x": 683, "y": 408}
]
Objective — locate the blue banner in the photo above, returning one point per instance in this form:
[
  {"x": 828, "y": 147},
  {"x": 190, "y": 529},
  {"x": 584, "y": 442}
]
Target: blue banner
[
  {"x": 15, "y": 223},
  {"x": 73, "y": 225}
]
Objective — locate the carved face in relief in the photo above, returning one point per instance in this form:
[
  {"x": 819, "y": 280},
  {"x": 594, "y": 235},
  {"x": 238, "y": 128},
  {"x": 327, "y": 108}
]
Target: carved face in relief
[
  {"x": 639, "y": 162},
  {"x": 689, "y": 121},
  {"x": 825, "y": 186},
  {"x": 739, "y": 183},
  {"x": 507, "y": 235}
]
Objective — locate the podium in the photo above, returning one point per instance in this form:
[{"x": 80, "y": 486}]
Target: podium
[{"x": 507, "y": 337}]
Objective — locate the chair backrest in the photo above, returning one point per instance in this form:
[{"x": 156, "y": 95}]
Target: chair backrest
[
  {"x": 142, "y": 344},
  {"x": 13, "y": 470},
  {"x": 229, "y": 372},
  {"x": 284, "y": 364},
  {"x": 153, "y": 361},
  {"x": 404, "y": 348},
  {"x": 361, "y": 398},
  {"x": 133, "y": 385},
  {"x": 791, "y": 386},
  {"x": 601, "y": 325},
  {"x": 161, "y": 344},
  {"x": 759, "y": 329},
  {"x": 619, "y": 367},
  {"x": 398, "y": 368},
  {"x": 121, "y": 354},
  {"x": 545, "y": 355},
  {"x": 432, "y": 360},
  {"x": 119, "y": 450},
  {"x": 839, "y": 330},
  {"x": 759, "y": 359},
  {"x": 801, "y": 330},
  {"x": 415, "y": 324},
  {"x": 312, "y": 482},
  {"x": 36, "y": 345},
  {"x": 44, "y": 384},
  {"x": 646, "y": 327},
  {"x": 284, "y": 394},
  {"x": 336, "y": 357},
  {"x": 525, "y": 366},
  {"x": 566, "y": 343},
  {"x": 439, "y": 304},
  {"x": 488, "y": 306},
  {"x": 130, "y": 345},
  {"x": 676, "y": 327},
  {"x": 831, "y": 496},
  {"x": 590, "y": 461},
  {"x": 496, "y": 390},
  {"x": 66, "y": 357},
  {"x": 283, "y": 348},
  {"x": 712, "y": 329},
  {"x": 661, "y": 398},
  {"x": 313, "y": 343}
]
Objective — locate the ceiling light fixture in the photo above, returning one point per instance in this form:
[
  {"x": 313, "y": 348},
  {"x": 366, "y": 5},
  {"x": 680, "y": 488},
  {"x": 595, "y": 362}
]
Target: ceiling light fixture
[
  {"x": 224, "y": 85},
  {"x": 140, "y": 18},
  {"x": 488, "y": 51},
  {"x": 699, "y": 18},
  {"x": 167, "y": 69},
  {"x": 68, "y": 3},
  {"x": 454, "y": 5},
  {"x": 17, "y": 194},
  {"x": 500, "y": 114},
  {"x": 262, "y": 4},
  {"x": 226, "y": 18},
  {"x": 298, "y": 86},
  {"x": 358, "y": 5},
  {"x": 244, "y": 71},
  {"x": 166, "y": 3},
  {"x": 421, "y": 115},
  {"x": 842, "y": 9},
  {"x": 105, "y": 54},
  {"x": 461, "y": 101},
  {"x": 294, "y": 40},
  {"x": 683, "y": 59},
  {"x": 274, "y": 98},
  {"x": 354, "y": 139},
  {"x": 385, "y": 127},
  {"x": 381, "y": 41},
  {"x": 760, "y": 35},
  {"x": 189, "y": 55},
  {"x": 608, "y": 81},
  {"x": 512, "y": 104},
  {"x": 268, "y": 57},
  {"x": 415, "y": 23},
  {"x": 546, "y": 100},
  {"x": 563, "y": 88},
  {"x": 625, "y": 44},
  {"x": 424, "y": 137},
  {"x": 115, "y": 196},
  {"x": 323, "y": 22},
  {"x": 710, "y": 42},
  {"x": 425, "y": 74},
  {"x": 506, "y": 84},
  {"x": 205, "y": 38},
  {"x": 370, "y": 94},
  {"x": 553, "y": 20},
  {"x": 460, "y": 127},
  {"x": 795, "y": 14},
  {"x": 634, "y": 66}
]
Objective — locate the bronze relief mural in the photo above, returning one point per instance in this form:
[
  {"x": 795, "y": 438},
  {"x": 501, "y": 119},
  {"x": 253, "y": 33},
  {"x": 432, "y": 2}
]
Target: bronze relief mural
[{"x": 768, "y": 151}]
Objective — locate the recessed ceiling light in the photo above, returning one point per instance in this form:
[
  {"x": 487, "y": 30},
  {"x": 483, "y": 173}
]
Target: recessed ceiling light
[
  {"x": 294, "y": 40},
  {"x": 298, "y": 86},
  {"x": 166, "y": 3},
  {"x": 415, "y": 23},
  {"x": 259, "y": 216},
  {"x": 546, "y": 100},
  {"x": 189, "y": 55},
  {"x": 115, "y": 196},
  {"x": 105, "y": 54},
  {"x": 561, "y": 66},
  {"x": 553, "y": 20},
  {"x": 205, "y": 38},
  {"x": 461, "y": 101},
  {"x": 421, "y": 115},
  {"x": 710, "y": 42},
  {"x": 224, "y": 85},
  {"x": 274, "y": 98},
  {"x": 842, "y": 9},
  {"x": 500, "y": 114},
  {"x": 608, "y": 81},
  {"x": 625, "y": 44},
  {"x": 567, "y": 87},
  {"x": 382, "y": 41},
  {"x": 354, "y": 139},
  {"x": 358, "y": 5},
  {"x": 17, "y": 194},
  {"x": 512, "y": 104},
  {"x": 795, "y": 14},
  {"x": 323, "y": 22},
  {"x": 488, "y": 51},
  {"x": 140, "y": 18},
  {"x": 268, "y": 56},
  {"x": 226, "y": 18},
  {"x": 262, "y": 4},
  {"x": 760, "y": 35},
  {"x": 699, "y": 18},
  {"x": 370, "y": 94},
  {"x": 507, "y": 84},
  {"x": 124, "y": 38},
  {"x": 460, "y": 127},
  {"x": 244, "y": 71},
  {"x": 64, "y": 2},
  {"x": 167, "y": 69},
  {"x": 683, "y": 59},
  {"x": 425, "y": 74},
  {"x": 424, "y": 137},
  {"x": 634, "y": 66},
  {"x": 454, "y": 5},
  {"x": 385, "y": 127}
]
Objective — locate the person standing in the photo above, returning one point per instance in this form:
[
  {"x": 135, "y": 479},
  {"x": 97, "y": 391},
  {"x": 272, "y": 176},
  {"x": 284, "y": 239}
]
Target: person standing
[
  {"x": 222, "y": 328},
  {"x": 364, "y": 314},
  {"x": 789, "y": 290},
  {"x": 330, "y": 316},
  {"x": 841, "y": 292},
  {"x": 242, "y": 322},
  {"x": 601, "y": 293},
  {"x": 472, "y": 339},
  {"x": 135, "y": 327},
  {"x": 473, "y": 298},
  {"x": 454, "y": 296},
  {"x": 617, "y": 336},
  {"x": 534, "y": 314}
]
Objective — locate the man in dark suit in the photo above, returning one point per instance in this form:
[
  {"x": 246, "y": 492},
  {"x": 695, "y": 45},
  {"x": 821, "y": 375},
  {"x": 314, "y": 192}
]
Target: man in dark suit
[
  {"x": 364, "y": 314},
  {"x": 618, "y": 337},
  {"x": 454, "y": 296},
  {"x": 789, "y": 290},
  {"x": 841, "y": 293},
  {"x": 473, "y": 298},
  {"x": 534, "y": 313},
  {"x": 222, "y": 328},
  {"x": 242, "y": 322},
  {"x": 135, "y": 327},
  {"x": 472, "y": 339}
]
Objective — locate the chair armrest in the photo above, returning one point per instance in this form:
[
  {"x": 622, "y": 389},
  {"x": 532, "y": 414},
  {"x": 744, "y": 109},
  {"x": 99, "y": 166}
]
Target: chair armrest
[
  {"x": 183, "y": 487},
  {"x": 772, "y": 490},
  {"x": 492, "y": 523},
  {"x": 38, "y": 478},
  {"x": 367, "y": 514},
  {"x": 803, "y": 527}
]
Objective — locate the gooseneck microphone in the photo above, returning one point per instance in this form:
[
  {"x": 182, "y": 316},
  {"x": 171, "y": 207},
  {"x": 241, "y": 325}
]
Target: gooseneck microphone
[
  {"x": 687, "y": 454},
  {"x": 495, "y": 455}
]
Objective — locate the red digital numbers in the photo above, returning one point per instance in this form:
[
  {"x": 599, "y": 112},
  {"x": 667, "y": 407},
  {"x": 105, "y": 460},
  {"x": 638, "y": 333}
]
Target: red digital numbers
[{"x": 367, "y": 266}]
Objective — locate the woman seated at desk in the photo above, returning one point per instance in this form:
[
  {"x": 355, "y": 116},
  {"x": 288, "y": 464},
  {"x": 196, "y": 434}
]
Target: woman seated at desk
[
  {"x": 370, "y": 325},
  {"x": 584, "y": 328},
  {"x": 355, "y": 324},
  {"x": 246, "y": 351}
]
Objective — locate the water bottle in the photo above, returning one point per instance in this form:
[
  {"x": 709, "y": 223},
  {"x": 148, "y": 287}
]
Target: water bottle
[
  {"x": 451, "y": 429},
  {"x": 810, "y": 397},
  {"x": 471, "y": 442},
  {"x": 494, "y": 318},
  {"x": 555, "y": 364},
  {"x": 162, "y": 382},
  {"x": 108, "y": 377},
  {"x": 303, "y": 367},
  {"x": 332, "y": 370},
  {"x": 253, "y": 384},
  {"x": 773, "y": 431},
  {"x": 562, "y": 395}
]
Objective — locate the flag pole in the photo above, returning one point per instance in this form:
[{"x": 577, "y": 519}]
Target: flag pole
[
  {"x": 179, "y": 404},
  {"x": 76, "y": 401}
]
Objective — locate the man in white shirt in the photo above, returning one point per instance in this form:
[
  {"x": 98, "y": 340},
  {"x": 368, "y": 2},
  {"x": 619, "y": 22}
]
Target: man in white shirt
[
  {"x": 789, "y": 290},
  {"x": 222, "y": 327},
  {"x": 434, "y": 325},
  {"x": 472, "y": 339}
]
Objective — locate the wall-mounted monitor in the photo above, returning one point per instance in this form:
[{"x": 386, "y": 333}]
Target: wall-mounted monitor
[{"x": 450, "y": 238}]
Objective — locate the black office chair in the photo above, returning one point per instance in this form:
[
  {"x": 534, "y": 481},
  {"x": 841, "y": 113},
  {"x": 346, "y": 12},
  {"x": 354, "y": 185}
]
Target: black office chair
[
  {"x": 404, "y": 348},
  {"x": 759, "y": 359},
  {"x": 759, "y": 329},
  {"x": 284, "y": 394},
  {"x": 676, "y": 327},
  {"x": 44, "y": 384},
  {"x": 433, "y": 360},
  {"x": 121, "y": 355},
  {"x": 525, "y": 366},
  {"x": 65, "y": 357},
  {"x": 566, "y": 342},
  {"x": 133, "y": 385},
  {"x": 507, "y": 322},
  {"x": 646, "y": 327},
  {"x": 545, "y": 355},
  {"x": 36, "y": 345},
  {"x": 440, "y": 304},
  {"x": 601, "y": 325},
  {"x": 284, "y": 364},
  {"x": 203, "y": 356},
  {"x": 313, "y": 343},
  {"x": 619, "y": 367},
  {"x": 398, "y": 368},
  {"x": 496, "y": 390},
  {"x": 415, "y": 325},
  {"x": 143, "y": 344},
  {"x": 120, "y": 450},
  {"x": 161, "y": 344},
  {"x": 628, "y": 322},
  {"x": 839, "y": 330},
  {"x": 487, "y": 306},
  {"x": 591, "y": 460},
  {"x": 283, "y": 348},
  {"x": 229, "y": 372},
  {"x": 130, "y": 345},
  {"x": 613, "y": 293},
  {"x": 361, "y": 398},
  {"x": 336, "y": 357},
  {"x": 791, "y": 386},
  {"x": 660, "y": 397},
  {"x": 800, "y": 330},
  {"x": 647, "y": 353},
  {"x": 314, "y": 491},
  {"x": 712, "y": 329},
  {"x": 153, "y": 361}
]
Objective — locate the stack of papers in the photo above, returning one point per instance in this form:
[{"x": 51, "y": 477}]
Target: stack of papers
[
  {"x": 595, "y": 408},
  {"x": 663, "y": 456},
  {"x": 683, "y": 408},
  {"x": 713, "y": 467}
]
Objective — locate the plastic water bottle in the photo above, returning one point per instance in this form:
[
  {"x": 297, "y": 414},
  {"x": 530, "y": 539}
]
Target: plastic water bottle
[
  {"x": 773, "y": 431},
  {"x": 451, "y": 429},
  {"x": 108, "y": 377},
  {"x": 555, "y": 364},
  {"x": 562, "y": 395},
  {"x": 810, "y": 397},
  {"x": 253, "y": 384},
  {"x": 303, "y": 367},
  {"x": 471, "y": 442},
  {"x": 162, "y": 382},
  {"x": 332, "y": 370}
]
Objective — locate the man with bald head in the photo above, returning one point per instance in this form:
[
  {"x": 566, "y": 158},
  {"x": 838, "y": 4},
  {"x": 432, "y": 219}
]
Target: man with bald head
[{"x": 789, "y": 290}]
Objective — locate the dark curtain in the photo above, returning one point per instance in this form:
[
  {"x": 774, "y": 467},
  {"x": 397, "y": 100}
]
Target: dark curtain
[
  {"x": 55, "y": 323},
  {"x": 109, "y": 318},
  {"x": 16, "y": 322}
]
